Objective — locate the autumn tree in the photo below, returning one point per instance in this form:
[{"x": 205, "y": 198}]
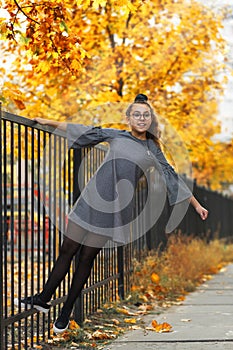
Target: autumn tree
[{"x": 86, "y": 60}]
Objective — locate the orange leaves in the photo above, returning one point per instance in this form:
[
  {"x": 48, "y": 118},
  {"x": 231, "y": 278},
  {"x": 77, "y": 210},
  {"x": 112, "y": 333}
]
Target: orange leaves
[
  {"x": 101, "y": 335},
  {"x": 181, "y": 298},
  {"x": 73, "y": 331},
  {"x": 73, "y": 325},
  {"x": 130, "y": 320},
  {"x": 155, "y": 278},
  {"x": 125, "y": 311},
  {"x": 185, "y": 264},
  {"x": 135, "y": 288},
  {"x": 160, "y": 327},
  {"x": 43, "y": 67},
  {"x": 19, "y": 104},
  {"x": 115, "y": 321},
  {"x": 92, "y": 52},
  {"x": 142, "y": 310},
  {"x": 50, "y": 31},
  {"x": 47, "y": 37},
  {"x": 123, "y": 4},
  {"x": 146, "y": 283},
  {"x": 10, "y": 90},
  {"x": 98, "y": 330}
]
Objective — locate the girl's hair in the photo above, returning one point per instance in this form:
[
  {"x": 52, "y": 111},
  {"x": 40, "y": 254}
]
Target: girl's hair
[{"x": 153, "y": 132}]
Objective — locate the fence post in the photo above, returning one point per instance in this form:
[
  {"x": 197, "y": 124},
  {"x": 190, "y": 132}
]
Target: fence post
[
  {"x": 1, "y": 242},
  {"x": 78, "y": 307},
  {"x": 120, "y": 267}
]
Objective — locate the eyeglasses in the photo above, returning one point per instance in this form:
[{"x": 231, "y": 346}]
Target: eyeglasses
[{"x": 138, "y": 115}]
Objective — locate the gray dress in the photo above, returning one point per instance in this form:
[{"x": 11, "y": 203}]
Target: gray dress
[{"x": 106, "y": 203}]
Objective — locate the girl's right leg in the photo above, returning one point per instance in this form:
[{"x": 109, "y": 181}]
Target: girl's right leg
[{"x": 91, "y": 247}]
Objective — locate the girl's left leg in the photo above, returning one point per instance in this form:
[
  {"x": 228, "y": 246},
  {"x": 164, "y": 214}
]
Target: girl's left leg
[
  {"x": 67, "y": 251},
  {"x": 88, "y": 252}
]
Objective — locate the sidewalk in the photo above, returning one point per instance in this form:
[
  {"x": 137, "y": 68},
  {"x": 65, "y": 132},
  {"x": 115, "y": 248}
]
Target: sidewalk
[{"x": 204, "y": 321}]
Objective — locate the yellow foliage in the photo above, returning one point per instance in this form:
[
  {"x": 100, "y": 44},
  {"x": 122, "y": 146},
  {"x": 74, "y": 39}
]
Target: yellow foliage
[{"x": 84, "y": 61}]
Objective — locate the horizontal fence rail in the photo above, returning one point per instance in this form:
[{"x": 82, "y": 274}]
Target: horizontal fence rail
[{"x": 40, "y": 181}]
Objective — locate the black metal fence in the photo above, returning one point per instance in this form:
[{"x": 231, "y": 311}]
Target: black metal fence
[
  {"x": 37, "y": 175},
  {"x": 219, "y": 224},
  {"x": 37, "y": 190}
]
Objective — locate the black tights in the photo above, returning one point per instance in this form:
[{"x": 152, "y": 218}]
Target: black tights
[{"x": 88, "y": 251}]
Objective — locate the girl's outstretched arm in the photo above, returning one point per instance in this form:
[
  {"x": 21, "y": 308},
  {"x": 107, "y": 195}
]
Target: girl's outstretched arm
[
  {"x": 199, "y": 208},
  {"x": 54, "y": 123}
]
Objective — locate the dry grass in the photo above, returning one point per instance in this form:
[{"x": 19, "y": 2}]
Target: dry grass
[{"x": 186, "y": 263}]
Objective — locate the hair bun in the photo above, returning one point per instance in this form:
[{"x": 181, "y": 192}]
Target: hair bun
[{"x": 141, "y": 98}]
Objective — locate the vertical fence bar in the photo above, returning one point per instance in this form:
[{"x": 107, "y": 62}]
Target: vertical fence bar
[
  {"x": 70, "y": 165},
  {"x": 44, "y": 202},
  {"x": 6, "y": 217},
  {"x": 19, "y": 236},
  {"x": 32, "y": 226},
  {"x": 78, "y": 308},
  {"x": 54, "y": 192},
  {"x": 43, "y": 184},
  {"x": 51, "y": 243},
  {"x": 25, "y": 218},
  {"x": 1, "y": 239},
  {"x": 54, "y": 202},
  {"x": 38, "y": 223},
  {"x": 12, "y": 203},
  {"x": 120, "y": 267}
]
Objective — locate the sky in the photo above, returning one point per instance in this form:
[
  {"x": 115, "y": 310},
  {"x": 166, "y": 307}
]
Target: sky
[{"x": 226, "y": 106}]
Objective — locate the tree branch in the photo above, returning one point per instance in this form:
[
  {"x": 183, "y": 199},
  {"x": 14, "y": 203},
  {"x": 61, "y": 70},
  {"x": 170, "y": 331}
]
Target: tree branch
[
  {"x": 127, "y": 26},
  {"x": 21, "y": 10}
]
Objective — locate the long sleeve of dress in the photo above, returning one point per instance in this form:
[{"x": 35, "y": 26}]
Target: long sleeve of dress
[
  {"x": 79, "y": 135},
  {"x": 177, "y": 190}
]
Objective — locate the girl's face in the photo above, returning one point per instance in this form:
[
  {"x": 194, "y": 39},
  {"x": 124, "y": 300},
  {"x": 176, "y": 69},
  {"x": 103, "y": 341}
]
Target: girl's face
[{"x": 139, "y": 120}]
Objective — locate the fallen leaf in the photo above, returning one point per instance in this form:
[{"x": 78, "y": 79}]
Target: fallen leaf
[
  {"x": 126, "y": 311},
  {"x": 115, "y": 321},
  {"x": 130, "y": 320},
  {"x": 155, "y": 278},
  {"x": 99, "y": 311},
  {"x": 154, "y": 323},
  {"x": 100, "y": 335},
  {"x": 135, "y": 288},
  {"x": 135, "y": 328},
  {"x": 73, "y": 325},
  {"x": 144, "y": 298},
  {"x": 87, "y": 320},
  {"x": 164, "y": 327},
  {"x": 143, "y": 309},
  {"x": 160, "y": 327}
]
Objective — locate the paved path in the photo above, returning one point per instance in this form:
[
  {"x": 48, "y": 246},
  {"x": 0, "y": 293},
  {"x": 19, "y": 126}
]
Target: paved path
[{"x": 209, "y": 311}]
